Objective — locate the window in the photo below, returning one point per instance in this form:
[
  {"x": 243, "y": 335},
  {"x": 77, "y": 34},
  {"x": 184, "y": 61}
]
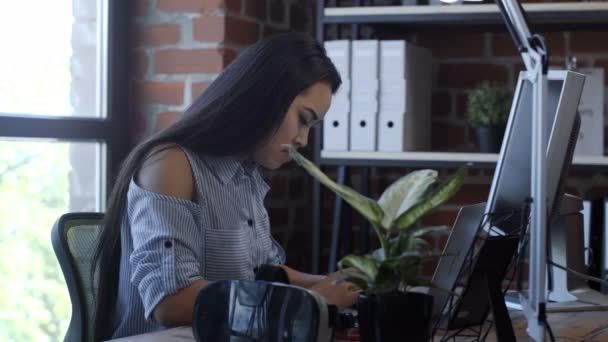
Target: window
[{"x": 63, "y": 126}]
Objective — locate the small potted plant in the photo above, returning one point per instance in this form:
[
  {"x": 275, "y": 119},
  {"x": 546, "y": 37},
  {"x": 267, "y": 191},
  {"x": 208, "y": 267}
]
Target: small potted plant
[
  {"x": 388, "y": 308},
  {"x": 487, "y": 111}
]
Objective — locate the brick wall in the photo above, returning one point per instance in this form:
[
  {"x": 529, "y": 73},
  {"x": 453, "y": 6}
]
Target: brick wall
[{"x": 180, "y": 46}]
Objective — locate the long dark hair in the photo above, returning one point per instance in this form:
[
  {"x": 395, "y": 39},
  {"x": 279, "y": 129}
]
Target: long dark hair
[{"x": 237, "y": 113}]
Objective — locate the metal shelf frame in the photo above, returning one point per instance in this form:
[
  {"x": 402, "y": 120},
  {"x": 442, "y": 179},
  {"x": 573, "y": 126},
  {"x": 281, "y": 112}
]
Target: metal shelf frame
[
  {"x": 545, "y": 14},
  {"x": 436, "y": 159}
]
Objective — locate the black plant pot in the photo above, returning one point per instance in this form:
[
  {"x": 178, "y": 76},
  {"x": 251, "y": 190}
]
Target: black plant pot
[
  {"x": 490, "y": 138},
  {"x": 394, "y": 317}
]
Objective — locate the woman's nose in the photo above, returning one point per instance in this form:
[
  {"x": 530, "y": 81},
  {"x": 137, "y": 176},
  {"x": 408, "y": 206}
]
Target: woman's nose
[{"x": 301, "y": 139}]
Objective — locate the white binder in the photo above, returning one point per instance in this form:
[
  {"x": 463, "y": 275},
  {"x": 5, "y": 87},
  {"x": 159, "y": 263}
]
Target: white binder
[
  {"x": 391, "y": 131},
  {"x": 363, "y": 131},
  {"x": 336, "y": 131}
]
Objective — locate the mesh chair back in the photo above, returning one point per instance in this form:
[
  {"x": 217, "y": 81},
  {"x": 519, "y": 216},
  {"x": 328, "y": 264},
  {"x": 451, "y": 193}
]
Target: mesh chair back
[{"x": 74, "y": 239}]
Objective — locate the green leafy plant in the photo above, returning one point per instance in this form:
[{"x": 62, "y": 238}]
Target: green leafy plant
[
  {"x": 488, "y": 105},
  {"x": 396, "y": 264}
]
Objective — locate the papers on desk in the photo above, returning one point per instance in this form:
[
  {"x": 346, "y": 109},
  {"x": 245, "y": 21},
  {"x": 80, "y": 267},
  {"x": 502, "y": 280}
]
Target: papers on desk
[{"x": 179, "y": 334}]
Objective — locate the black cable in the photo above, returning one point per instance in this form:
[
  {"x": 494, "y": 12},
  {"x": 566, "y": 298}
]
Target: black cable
[
  {"x": 578, "y": 274},
  {"x": 523, "y": 243},
  {"x": 551, "y": 337},
  {"x": 538, "y": 42}
]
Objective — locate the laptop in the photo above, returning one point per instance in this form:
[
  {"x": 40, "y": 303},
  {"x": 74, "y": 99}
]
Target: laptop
[{"x": 454, "y": 253}]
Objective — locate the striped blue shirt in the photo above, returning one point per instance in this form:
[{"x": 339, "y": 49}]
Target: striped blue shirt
[{"x": 169, "y": 243}]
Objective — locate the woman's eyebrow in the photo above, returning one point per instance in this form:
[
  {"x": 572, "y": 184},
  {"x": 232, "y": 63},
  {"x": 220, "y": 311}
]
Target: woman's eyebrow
[{"x": 313, "y": 113}]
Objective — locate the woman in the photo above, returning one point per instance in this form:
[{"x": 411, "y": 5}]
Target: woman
[{"x": 187, "y": 206}]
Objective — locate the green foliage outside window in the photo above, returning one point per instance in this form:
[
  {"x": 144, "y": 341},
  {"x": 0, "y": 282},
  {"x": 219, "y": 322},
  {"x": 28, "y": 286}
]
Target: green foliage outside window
[{"x": 34, "y": 305}]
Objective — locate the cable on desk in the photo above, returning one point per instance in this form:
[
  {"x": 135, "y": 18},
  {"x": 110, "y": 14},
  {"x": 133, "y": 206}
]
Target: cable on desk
[
  {"x": 578, "y": 274},
  {"x": 551, "y": 336}
]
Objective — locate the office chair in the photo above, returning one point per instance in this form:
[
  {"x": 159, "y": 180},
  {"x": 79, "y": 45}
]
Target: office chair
[{"x": 74, "y": 238}]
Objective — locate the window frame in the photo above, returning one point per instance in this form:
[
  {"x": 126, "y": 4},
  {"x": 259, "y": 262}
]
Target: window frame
[{"x": 112, "y": 130}]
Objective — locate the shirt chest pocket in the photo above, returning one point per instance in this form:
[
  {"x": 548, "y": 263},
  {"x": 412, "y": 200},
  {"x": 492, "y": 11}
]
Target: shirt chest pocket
[{"x": 227, "y": 252}]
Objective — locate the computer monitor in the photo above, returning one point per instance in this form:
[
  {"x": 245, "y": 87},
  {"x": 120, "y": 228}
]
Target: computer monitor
[
  {"x": 511, "y": 182},
  {"x": 511, "y": 186}
]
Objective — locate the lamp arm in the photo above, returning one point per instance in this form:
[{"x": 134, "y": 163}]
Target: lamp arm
[
  {"x": 535, "y": 56},
  {"x": 530, "y": 45}
]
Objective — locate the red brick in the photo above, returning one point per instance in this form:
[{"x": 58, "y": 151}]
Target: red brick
[
  {"x": 242, "y": 32},
  {"x": 297, "y": 187},
  {"x": 440, "y": 218},
  {"x": 153, "y": 92},
  {"x": 453, "y": 45},
  {"x": 198, "y": 88},
  {"x": 503, "y": 44},
  {"x": 278, "y": 186},
  {"x": 228, "y": 30},
  {"x": 442, "y": 104},
  {"x": 578, "y": 173},
  {"x": 556, "y": 41},
  {"x": 140, "y": 7},
  {"x": 447, "y": 136},
  {"x": 233, "y": 6},
  {"x": 182, "y": 61},
  {"x": 140, "y": 63},
  {"x": 471, "y": 194},
  {"x": 517, "y": 68},
  {"x": 256, "y": 9},
  {"x": 300, "y": 16},
  {"x": 157, "y": 35},
  {"x": 488, "y": 172},
  {"x": 597, "y": 192},
  {"x": 277, "y": 11},
  {"x": 209, "y": 29},
  {"x": 470, "y": 75},
  {"x": 165, "y": 119},
  {"x": 189, "y": 6},
  {"x": 474, "y": 172},
  {"x": 572, "y": 190},
  {"x": 137, "y": 126},
  {"x": 278, "y": 216},
  {"x": 588, "y": 42},
  {"x": 328, "y": 198},
  {"x": 303, "y": 215}
]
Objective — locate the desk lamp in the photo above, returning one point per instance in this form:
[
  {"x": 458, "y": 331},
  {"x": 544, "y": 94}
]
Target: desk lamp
[{"x": 535, "y": 56}]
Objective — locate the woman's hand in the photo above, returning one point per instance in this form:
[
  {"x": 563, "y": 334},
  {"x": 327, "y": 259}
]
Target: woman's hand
[{"x": 336, "y": 290}]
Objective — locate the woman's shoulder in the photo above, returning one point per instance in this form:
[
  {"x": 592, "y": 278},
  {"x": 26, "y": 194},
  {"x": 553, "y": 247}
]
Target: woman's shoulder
[{"x": 166, "y": 170}]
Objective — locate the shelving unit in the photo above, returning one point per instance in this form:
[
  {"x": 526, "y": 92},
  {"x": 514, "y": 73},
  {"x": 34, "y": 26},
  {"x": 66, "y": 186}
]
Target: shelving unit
[
  {"x": 435, "y": 159},
  {"x": 568, "y": 16},
  {"x": 551, "y": 16},
  {"x": 559, "y": 14}
]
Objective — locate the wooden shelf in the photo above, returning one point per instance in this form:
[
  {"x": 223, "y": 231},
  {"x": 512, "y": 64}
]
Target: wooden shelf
[
  {"x": 436, "y": 159},
  {"x": 564, "y": 14}
]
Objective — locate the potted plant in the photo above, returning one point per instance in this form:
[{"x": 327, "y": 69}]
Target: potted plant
[
  {"x": 388, "y": 308},
  {"x": 487, "y": 111}
]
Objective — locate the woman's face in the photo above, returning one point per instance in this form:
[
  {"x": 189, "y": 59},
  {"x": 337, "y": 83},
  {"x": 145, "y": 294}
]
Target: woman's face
[{"x": 306, "y": 110}]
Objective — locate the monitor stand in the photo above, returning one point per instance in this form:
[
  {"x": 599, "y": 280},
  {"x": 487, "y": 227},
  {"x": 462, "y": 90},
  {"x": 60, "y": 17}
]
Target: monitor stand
[
  {"x": 567, "y": 249},
  {"x": 484, "y": 290},
  {"x": 502, "y": 320}
]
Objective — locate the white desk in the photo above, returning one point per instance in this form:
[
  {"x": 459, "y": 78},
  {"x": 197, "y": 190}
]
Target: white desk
[{"x": 179, "y": 334}]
